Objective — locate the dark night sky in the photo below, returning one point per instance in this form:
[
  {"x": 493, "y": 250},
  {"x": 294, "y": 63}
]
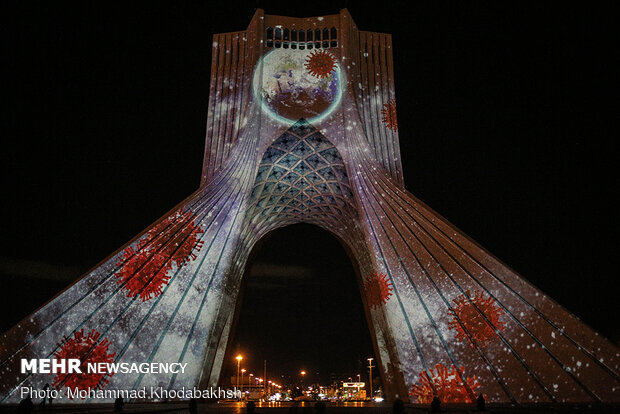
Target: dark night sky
[{"x": 506, "y": 121}]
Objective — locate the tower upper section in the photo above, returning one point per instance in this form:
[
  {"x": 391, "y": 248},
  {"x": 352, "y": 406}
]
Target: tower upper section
[{"x": 314, "y": 68}]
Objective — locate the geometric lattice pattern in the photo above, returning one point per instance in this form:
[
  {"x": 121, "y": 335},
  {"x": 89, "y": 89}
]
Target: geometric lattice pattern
[{"x": 301, "y": 177}]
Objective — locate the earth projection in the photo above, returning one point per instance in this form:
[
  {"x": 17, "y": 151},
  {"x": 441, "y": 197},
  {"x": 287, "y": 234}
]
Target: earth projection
[{"x": 293, "y": 84}]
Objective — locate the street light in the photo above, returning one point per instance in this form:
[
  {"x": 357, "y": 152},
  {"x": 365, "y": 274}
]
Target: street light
[
  {"x": 370, "y": 366},
  {"x": 358, "y": 385},
  {"x": 238, "y": 358},
  {"x": 242, "y": 371},
  {"x": 250, "y": 381}
]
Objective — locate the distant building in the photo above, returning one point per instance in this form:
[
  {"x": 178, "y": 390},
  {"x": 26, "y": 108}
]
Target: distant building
[{"x": 354, "y": 390}]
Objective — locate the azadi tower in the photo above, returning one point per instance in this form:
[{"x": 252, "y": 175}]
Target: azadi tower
[{"x": 302, "y": 128}]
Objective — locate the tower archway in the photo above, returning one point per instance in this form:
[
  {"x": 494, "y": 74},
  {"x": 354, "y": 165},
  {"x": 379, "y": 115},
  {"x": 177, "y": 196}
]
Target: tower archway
[
  {"x": 302, "y": 177},
  {"x": 300, "y": 308}
]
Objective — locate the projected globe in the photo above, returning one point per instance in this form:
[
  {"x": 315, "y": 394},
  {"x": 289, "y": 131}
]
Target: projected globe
[{"x": 293, "y": 84}]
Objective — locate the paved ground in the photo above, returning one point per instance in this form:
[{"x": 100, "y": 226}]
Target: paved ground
[{"x": 306, "y": 408}]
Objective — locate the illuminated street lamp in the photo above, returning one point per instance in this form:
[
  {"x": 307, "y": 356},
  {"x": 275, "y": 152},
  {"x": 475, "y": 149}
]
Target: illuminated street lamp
[
  {"x": 250, "y": 380},
  {"x": 238, "y": 358},
  {"x": 358, "y": 385},
  {"x": 370, "y": 366}
]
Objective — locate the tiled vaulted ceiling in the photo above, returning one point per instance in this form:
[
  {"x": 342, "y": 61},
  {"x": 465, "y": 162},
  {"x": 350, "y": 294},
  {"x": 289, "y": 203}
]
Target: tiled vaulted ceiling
[{"x": 301, "y": 178}]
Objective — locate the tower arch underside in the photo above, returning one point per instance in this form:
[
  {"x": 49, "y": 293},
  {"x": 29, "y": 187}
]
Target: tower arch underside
[{"x": 301, "y": 178}]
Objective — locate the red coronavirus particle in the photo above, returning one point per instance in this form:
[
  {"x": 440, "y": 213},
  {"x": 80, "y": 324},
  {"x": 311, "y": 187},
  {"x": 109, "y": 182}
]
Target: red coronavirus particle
[
  {"x": 88, "y": 349},
  {"x": 320, "y": 63},
  {"x": 448, "y": 384},
  {"x": 389, "y": 115},
  {"x": 143, "y": 269},
  {"x": 469, "y": 311},
  {"x": 378, "y": 290}
]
